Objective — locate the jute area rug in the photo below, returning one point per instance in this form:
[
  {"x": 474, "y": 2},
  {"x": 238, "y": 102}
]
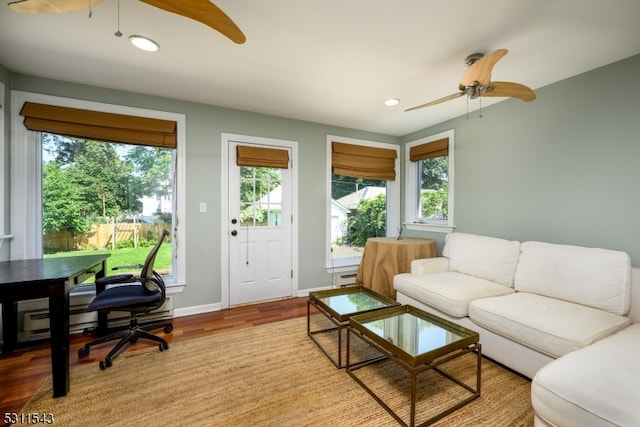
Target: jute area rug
[{"x": 270, "y": 375}]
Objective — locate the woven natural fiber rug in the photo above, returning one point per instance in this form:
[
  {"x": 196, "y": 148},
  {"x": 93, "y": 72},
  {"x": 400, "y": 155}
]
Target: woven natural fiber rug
[{"x": 270, "y": 375}]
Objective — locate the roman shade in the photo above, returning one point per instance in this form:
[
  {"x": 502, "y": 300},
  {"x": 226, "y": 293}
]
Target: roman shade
[
  {"x": 362, "y": 161},
  {"x": 430, "y": 150},
  {"x": 98, "y": 125},
  {"x": 262, "y": 157}
]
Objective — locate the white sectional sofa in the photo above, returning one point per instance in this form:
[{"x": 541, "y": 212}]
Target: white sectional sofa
[{"x": 534, "y": 303}]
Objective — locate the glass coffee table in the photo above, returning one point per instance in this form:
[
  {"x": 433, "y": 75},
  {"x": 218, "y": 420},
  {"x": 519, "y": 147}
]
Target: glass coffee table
[
  {"x": 416, "y": 342},
  {"x": 336, "y": 307}
]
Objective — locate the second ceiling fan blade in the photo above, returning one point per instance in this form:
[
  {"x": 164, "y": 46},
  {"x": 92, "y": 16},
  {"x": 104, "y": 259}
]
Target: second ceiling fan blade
[
  {"x": 512, "y": 90},
  {"x": 437, "y": 101},
  {"x": 202, "y": 11},
  {"x": 480, "y": 71}
]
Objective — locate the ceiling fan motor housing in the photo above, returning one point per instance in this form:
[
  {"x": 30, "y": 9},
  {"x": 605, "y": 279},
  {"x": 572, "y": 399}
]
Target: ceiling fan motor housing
[{"x": 471, "y": 59}]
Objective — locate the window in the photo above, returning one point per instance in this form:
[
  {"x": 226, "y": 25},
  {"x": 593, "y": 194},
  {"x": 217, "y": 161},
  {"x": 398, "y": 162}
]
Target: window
[
  {"x": 108, "y": 197},
  {"x": 33, "y": 154},
  {"x": 364, "y": 197},
  {"x": 430, "y": 184}
]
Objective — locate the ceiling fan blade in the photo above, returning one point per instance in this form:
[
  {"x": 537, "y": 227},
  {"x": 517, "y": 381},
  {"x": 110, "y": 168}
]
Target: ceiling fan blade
[
  {"x": 36, "y": 7},
  {"x": 202, "y": 11},
  {"x": 508, "y": 89},
  {"x": 437, "y": 101},
  {"x": 480, "y": 71}
]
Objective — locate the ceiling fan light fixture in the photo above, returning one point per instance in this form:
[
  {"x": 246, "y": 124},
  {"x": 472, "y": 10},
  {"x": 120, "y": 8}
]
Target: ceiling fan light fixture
[
  {"x": 391, "y": 102},
  {"x": 144, "y": 43}
]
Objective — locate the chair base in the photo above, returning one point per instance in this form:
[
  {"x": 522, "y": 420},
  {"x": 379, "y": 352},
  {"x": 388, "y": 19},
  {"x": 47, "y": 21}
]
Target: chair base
[{"x": 130, "y": 335}]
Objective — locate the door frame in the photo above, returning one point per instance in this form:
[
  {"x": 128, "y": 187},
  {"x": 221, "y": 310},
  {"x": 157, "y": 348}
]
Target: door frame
[{"x": 226, "y": 138}]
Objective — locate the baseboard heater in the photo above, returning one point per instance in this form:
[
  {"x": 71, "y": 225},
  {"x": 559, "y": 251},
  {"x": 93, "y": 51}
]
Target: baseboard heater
[
  {"x": 36, "y": 322},
  {"x": 346, "y": 279}
]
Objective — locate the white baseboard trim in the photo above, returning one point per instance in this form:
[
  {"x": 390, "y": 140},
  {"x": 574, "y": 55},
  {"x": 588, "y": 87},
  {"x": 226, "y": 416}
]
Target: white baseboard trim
[
  {"x": 196, "y": 309},
  {"x": 208, "y": 308},
  {"x": 305, "y": 292}
]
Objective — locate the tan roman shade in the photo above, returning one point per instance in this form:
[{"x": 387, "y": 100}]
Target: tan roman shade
[
  {"x": 430, "y": 150},
  {"x": 361, "y": 161},
  {"x": 262, "y": 157},
  {"x": 88, "y": 124}
]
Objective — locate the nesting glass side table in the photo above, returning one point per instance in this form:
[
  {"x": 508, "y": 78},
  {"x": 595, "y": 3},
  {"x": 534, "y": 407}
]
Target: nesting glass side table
[
  {"x": 416, "y": 342},
  {"x": 335, "y": 307}
]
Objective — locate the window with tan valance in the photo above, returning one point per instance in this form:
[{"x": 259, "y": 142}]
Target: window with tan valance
[
  {"x": 362, "y": 161},
  {"x": 98, "y": 125}
]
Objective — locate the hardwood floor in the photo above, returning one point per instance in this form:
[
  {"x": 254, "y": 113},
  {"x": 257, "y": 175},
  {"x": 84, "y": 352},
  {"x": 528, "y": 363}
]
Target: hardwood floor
[{"x": 23, "y": 371}]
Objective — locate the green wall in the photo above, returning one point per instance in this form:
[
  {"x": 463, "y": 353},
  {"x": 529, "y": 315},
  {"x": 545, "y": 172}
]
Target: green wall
[
  {"x": 563, "y": 168},
  {"x": 560, "y": 169}
]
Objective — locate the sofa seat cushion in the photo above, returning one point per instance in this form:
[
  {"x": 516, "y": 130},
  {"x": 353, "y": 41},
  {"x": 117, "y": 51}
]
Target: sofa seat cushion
[
  {"x": 449, "y": 292},
  {"x": 597, "y": 385},
  {"x": 548, "y": 325}
]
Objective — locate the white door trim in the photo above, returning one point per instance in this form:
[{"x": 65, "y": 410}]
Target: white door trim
[{"x": 224, "y": 206}]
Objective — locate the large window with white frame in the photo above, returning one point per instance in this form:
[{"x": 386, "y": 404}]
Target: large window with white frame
[
  {"x": 364, "y": 197},
  {"x": 59, "y": 192},
  {"x": 430, "y": 183}
]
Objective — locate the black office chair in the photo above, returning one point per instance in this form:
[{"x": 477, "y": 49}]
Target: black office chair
[{"x": 136, "y": 295}]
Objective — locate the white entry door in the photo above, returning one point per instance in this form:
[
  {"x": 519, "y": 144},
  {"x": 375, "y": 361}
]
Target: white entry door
[{"x": 260, "y": 230}]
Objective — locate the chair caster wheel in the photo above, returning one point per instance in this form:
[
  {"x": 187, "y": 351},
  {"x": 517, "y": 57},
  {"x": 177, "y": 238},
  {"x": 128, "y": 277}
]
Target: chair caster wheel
[
  {"x": 104, "y": 364},
  {"x": 164, "y": 346},
  {"x": 168, "y": 329},
  {"x": 83, "y": 352}
]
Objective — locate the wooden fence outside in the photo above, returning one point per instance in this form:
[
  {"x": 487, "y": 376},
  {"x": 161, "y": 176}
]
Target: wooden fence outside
[{"x": 102, "y": 236}]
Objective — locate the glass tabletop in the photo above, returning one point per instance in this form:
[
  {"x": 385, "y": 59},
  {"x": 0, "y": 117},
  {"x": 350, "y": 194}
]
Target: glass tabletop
[
  {"x": 345, "y": 302},
  {"x": 413, "y": 334},
  {"x": 417, "y": 334}
]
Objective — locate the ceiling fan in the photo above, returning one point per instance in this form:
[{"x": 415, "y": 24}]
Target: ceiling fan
[
  {"x": 476, "y": 81},
  {"x": 199, "y": 10}
]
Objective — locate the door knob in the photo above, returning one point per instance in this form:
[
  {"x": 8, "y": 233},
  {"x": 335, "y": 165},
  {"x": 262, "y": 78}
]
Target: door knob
[{"x": 234, "y": 232}]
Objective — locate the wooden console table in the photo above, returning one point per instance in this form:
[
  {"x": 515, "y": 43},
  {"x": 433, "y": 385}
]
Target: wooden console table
[{"x": 384, "y": 257}]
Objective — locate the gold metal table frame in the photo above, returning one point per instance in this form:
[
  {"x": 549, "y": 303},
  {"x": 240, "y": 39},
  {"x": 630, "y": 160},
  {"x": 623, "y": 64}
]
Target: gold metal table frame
[{"x": 417, "y": 363}]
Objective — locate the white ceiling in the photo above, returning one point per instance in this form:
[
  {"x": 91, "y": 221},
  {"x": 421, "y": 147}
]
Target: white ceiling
[{"x": 325, "y": 61}]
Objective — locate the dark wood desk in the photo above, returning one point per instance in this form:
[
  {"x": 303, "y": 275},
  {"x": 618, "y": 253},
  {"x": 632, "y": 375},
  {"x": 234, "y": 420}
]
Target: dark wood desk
[{"x": 41, "y": 278}]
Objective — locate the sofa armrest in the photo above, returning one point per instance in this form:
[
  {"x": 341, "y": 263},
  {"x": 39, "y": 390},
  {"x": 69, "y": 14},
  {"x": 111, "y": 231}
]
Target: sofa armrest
[{"x": 430, "y": 265}]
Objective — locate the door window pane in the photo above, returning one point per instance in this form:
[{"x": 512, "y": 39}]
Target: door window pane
[{"x": 260, "y": 196}]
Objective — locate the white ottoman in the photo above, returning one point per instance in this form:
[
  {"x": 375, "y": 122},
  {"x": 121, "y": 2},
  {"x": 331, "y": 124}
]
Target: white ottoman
[{"x": 598, "y": 385}]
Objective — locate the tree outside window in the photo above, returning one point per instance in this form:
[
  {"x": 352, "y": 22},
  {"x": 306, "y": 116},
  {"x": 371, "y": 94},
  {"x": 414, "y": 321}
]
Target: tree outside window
[{"x": 91, "y": 188}]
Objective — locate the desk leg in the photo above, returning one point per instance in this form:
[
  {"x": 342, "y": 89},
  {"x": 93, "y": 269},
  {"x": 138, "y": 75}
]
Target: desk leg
[
  {"x": 102, "y": 317},
  {"x": 59, "y": 327},
  {"x": 9, "y": 326}
]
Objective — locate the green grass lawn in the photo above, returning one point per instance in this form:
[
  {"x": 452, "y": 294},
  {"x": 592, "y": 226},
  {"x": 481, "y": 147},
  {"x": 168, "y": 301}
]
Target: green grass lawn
[{"x": 126, "y": 256}]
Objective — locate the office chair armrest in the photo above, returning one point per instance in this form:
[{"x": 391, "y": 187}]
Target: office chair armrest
[{"x": 115, "y": 279}]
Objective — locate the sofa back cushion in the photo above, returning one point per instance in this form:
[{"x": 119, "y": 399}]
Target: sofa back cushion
[
  {"x": 489, "y": 258},
  {"x": 594, "y": 277}
]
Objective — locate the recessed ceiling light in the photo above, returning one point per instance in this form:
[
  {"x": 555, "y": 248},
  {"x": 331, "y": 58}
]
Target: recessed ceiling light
[
  {"x": 392, "y": 101},
  {"x": 144, "y": 43}
]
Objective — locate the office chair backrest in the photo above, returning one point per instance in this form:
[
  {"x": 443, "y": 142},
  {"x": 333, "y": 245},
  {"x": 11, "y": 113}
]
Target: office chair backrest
[{"x": 148, "y": 277}]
